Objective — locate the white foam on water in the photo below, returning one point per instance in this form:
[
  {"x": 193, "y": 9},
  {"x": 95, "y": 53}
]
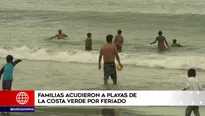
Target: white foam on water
[{"x": 150, "y": 60}]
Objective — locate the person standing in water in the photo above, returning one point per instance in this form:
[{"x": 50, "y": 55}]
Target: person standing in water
[
  {"x": 118, "y": 41},
  {"x": 60, "y": 35},
  {"x": 193, "y": 84},
  {"x": 109, "y": 53},
  {"x": 88, "y": 42},
  {"x": 7, "y": 71},
  {"x": 161, "y": 40}
]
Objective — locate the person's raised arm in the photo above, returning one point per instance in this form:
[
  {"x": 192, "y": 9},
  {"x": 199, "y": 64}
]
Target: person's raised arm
[
  {"x": 100, "y": 59},
  {"x": 180, "y": 45},
  {"x": 53, "y": 37},
  {"x": 154, "y": 41},
  {"x": 16, "y": 62},
  {"x": 1, "y": 72},
  {"x": 65, "y": 36}
]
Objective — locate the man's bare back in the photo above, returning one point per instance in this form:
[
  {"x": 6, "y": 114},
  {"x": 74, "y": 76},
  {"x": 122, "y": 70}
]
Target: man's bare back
[
  {"x": 61, "y": 36},
  {"x": 161, "y": 40},
  {"x": 118, "y": 40},
  {"x": 109, "y": 51},
  {"x": 88, "y": 44}
]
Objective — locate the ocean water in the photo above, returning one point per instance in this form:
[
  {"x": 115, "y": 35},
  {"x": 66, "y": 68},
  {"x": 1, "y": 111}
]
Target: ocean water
[{"x": 52, "y": 64}]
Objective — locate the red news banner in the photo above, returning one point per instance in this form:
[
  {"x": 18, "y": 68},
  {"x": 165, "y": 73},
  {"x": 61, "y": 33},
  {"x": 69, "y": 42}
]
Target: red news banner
[
  {"x": 17, "y": 101},
  {"x": 24, "y": 100}
]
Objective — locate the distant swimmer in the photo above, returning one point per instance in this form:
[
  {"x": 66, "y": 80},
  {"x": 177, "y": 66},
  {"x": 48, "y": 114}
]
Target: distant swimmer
[
  {"x": 109, "y": 53},
  {"x": 119, "y": 40},
  {"x": 175, "y": 44},
  {"x": 161, "y": 40},
  {"x": 88, "y": 42},
  {"x": 60, "y": 35}
]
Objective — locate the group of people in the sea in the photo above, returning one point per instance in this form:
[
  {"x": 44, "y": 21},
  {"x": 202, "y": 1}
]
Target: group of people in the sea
[
  {"x": 162, "y": 41},
  {"x": 119, "y": 40},
  {"x": 109, "y": 52}
]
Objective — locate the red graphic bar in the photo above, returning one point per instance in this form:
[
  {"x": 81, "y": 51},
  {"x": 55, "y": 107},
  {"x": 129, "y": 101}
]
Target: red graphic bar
[{"x": 17, "y": 98}]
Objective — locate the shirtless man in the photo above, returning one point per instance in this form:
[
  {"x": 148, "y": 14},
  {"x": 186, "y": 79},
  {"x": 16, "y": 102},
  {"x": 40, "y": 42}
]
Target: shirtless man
[
  {"x": 60, "y": 35},
  {"x": 88, "y": 42},
  {"x": 109, "y": 53},
  {"x": 175, "y": 44},
  {"x": 161, "y": 39},
  {"x": 119, "y": 40}
]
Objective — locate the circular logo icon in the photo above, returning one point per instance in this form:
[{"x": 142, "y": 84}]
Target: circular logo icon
[{"x": 22, "y": 98}]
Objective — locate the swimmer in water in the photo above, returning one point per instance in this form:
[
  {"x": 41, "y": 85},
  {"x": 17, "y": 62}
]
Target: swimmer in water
[
  {"x": 161, "y": 40},
  {"x": 60, "y": 35},
  {"x": 175, "y": 44},
  {"x": 88, "y": 42},
  {"x": 118, "y": 41}
]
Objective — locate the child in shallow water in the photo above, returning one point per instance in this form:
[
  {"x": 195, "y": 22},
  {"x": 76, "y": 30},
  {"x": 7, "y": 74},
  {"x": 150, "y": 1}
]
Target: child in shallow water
[
  {"x": 7, "y": 71},
  {"x": 192, "y": 84}
]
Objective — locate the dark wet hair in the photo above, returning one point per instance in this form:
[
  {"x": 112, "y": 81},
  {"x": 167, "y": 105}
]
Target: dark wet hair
[
  {"x": 174, "y": 41},
  {"x": 191, "y": 72},
  {"x": 9, "y": 58},
  {"x": 109, "y": 38},
  {"x": 119, "y": 32},
  {"x": 160, "y": 33},
  {"x": 89, "y": 34},
  {"x": 59, "y": 31}
]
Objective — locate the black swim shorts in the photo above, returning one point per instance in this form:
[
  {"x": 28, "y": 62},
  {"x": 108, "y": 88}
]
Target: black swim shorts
[
  {"x": 110, "y": 70},
  {"x": 88, "y": 48},
  {"x": 6, "y": 84}
]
